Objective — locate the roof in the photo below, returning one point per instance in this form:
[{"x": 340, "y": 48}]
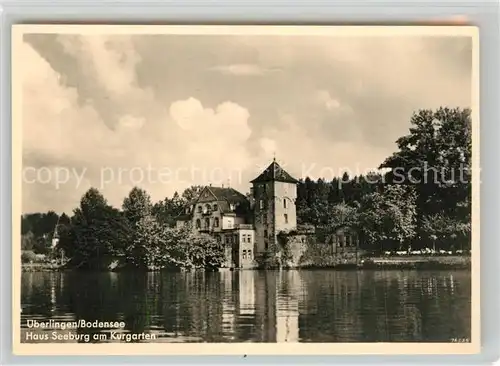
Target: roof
[
  {"x": 224, "y": 197},
  {"x": 227, "y": 194},
  {"x": 274, "y": 173}
]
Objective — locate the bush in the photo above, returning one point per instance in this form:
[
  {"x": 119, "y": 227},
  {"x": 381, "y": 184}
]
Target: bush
[{"x": 28, "y": 256}]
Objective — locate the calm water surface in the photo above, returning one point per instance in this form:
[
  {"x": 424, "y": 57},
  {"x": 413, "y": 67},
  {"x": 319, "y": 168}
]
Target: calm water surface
[{"x": 257, "y": 306}]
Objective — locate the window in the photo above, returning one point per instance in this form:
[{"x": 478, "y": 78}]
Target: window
[
  {"x": 198, "y": 223},
  {"x": 207, "y": 209},
  {"x": 286, "y": 219},
  {"x": 261, "y": 204},
  {"x": 227, "y": 239},
  {"x": 215, "y": 207},
  {"x": 200, "y": 209},
  {"x": 265, "y": 233},
  {"x": 264, "y": 188},
  {"x": 207, "y": 223},
  {"x": 265, "y": 218},
  {"x": 244, "y": 254},
  {"x": 219, "y": 238},
  {"x": 216, "y": 222},
  {"x": 249, "y": 254},
  {"x": 284, "y": 202}
]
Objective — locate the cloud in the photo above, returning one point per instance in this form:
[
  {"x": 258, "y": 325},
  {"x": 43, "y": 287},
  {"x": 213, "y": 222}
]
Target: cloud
[
  {"x": 243, "y": 69},
  {"x": 131, "y": 105},
  {"x": 324, "y": 97},
  {"x": 192, "y": 143}
]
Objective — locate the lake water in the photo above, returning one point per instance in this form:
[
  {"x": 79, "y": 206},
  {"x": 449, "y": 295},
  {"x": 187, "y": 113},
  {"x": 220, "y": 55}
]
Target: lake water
[{"x": 251, "y": 306}]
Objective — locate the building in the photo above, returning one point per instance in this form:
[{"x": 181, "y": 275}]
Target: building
[{"x": 248, "y": 226}]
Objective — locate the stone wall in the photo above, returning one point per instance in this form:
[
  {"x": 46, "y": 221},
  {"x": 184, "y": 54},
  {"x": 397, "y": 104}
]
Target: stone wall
[{"x": 304, "y": 250}]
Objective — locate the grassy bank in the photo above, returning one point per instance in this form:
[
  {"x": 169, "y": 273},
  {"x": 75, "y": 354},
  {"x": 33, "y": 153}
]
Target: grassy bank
[
  {"x": 418, "y": 262},
  {"x": 40, "y": 267},
  {"x": 385, "y": 263}
]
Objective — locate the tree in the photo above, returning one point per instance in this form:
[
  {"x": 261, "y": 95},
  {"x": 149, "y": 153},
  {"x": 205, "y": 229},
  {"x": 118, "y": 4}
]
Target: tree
[
  {"x": 137, "y": 205},
  {"x": 167, "y": 210},
  {"x": 99, "y": 231},
  {"x": 341, "y": 214},
  {"x": 137, "y": 209},
  {"x": 191, "y": 193},
  {"x": 445, "y": 230},
  {"x": 388, "y": 219},
  {"x": 435, "y": 157}
]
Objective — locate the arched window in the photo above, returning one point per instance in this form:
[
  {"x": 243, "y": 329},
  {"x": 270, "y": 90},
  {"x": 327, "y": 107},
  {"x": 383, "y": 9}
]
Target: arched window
[
  {"x": 216, "y": 222},
  {"x": 198, "y": 223}
]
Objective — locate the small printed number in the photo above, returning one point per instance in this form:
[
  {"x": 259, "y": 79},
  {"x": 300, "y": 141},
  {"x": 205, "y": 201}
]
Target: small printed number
[{"x": 460, "y": 340}]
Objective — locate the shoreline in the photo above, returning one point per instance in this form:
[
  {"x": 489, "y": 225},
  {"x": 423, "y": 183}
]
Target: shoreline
[{"x": 368, "y": 263}]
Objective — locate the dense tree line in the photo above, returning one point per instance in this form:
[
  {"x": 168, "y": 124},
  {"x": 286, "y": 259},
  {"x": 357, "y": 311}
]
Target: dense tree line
[{"x": 421, "y": 197}]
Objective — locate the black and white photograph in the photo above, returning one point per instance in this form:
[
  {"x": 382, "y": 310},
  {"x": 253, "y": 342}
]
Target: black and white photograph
[{"x": 265, "y": 185}]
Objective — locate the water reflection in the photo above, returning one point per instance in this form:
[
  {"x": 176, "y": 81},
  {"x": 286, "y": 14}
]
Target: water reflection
[{"x": 256, "y": 306}]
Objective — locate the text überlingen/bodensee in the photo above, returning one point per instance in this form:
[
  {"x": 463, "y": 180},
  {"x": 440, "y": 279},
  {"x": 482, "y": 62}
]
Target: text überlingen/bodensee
[{"x": 52, "y": 324}]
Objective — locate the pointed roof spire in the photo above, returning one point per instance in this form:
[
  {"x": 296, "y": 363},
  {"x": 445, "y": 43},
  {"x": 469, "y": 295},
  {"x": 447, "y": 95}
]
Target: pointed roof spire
[{"x": 274, "y": 173}]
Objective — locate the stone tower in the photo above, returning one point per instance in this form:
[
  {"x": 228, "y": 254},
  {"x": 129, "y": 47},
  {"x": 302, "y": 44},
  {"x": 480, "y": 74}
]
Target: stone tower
[{"x": 275, "y": 193}]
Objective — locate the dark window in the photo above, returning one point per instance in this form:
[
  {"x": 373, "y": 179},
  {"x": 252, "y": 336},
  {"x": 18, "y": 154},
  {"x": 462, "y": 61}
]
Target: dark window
[
  {"x": 200, "y": 209},
  {"x": 207, "y": 223},
  {"x": 284, "y": 202},
  {"x": 215, "y": 207},
  {"x": 249, "y": 254},
  {"x": 198, "y": 223},
  {"x": 265, "y": 218},
  {"x": 286, "y": 219},
  {"x": 265, "y": 234},
  {"x": 216, "y": 222}
]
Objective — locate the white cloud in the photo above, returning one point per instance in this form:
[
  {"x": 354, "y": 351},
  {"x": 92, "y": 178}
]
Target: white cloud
[
  {"x": 193, "y": 143},
  {"x": 243, "y": 69},
  {"x": 342, "y": 100},
  {"x": 324, "y": 97},
  {"x": 268, "y": 146}
]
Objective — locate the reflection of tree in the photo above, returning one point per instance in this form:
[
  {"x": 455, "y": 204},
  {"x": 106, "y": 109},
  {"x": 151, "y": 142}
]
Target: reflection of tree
[
  {"x": 334, "y": 306},
  {"x": 384, "y": 306}
]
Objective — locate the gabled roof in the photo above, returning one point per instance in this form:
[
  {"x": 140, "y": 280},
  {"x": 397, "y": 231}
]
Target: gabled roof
[
  {"x": 224, "y": 197},
  {"x": 227, "y": 194},
  {"x": 274, "y": 173}
]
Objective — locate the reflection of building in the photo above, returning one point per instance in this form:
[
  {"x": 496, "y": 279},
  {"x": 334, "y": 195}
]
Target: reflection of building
[
  {"x": 247, "y": 226},
  {"x": 287, "y": 309},
  {"x": 228, "y": 305},
  {"x": 247, "y": 292}
]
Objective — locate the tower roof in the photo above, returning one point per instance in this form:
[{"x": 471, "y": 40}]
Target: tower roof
[{"x": 274, "y": 173}]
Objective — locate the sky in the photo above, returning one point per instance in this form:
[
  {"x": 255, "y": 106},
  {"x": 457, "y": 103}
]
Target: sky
[{"x": 164, "y": 112}]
